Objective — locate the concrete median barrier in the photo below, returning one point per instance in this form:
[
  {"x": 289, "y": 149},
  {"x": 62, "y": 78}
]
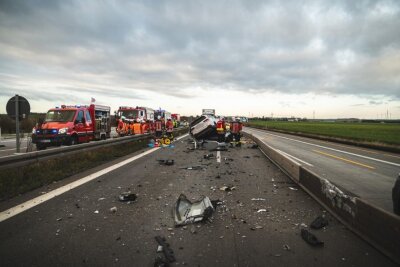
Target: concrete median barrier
[{"x": 375, "y": 225}]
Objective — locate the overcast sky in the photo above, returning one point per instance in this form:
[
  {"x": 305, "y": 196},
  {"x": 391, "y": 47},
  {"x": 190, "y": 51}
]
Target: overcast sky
[{"x": 286, "y": 58}]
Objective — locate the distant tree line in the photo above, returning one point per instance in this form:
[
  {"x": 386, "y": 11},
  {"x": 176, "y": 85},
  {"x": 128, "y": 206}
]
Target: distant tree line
[{"x": 7, "y": 124}]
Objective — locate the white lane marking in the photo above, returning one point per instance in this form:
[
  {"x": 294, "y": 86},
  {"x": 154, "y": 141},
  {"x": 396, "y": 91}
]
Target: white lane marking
[
  {"x": 7, "y": 214},
  {"x": 219, "y": 156},
  {"x": 333, "y": 149},
  {"x": 293, "y": 157}
]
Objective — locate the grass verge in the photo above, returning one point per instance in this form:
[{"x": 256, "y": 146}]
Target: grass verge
[{"x": 388, "y": 133}]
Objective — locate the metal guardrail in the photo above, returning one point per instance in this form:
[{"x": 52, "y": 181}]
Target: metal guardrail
[{"x": 28, "y": 158}]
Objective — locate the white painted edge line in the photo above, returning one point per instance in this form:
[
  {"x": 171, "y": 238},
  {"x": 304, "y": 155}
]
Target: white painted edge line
[
  {"x": 219, "y": 156},
  {"x": 7, "y": 214},
  {"x": 293, "y": 157},
  {"x": 329, "y": 148}
]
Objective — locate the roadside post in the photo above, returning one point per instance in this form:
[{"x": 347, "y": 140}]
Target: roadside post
[{"x": 18, "y": 108}]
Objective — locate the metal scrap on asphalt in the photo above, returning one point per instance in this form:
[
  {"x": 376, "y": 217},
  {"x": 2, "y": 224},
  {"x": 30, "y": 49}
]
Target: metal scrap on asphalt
[{"x": 185, "y": 211}]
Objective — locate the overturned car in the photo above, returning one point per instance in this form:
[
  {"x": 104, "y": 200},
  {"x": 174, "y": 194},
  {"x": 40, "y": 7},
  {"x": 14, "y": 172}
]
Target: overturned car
[{"x": 208, "y": 127}]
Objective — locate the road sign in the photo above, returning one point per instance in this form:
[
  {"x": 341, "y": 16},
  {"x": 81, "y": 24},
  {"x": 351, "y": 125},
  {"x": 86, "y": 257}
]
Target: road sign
[{"x": 24, "y": 108}]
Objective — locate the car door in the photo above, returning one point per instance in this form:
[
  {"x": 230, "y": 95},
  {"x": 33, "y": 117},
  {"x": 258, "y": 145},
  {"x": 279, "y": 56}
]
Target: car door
[{"x": 80, "y": 127}]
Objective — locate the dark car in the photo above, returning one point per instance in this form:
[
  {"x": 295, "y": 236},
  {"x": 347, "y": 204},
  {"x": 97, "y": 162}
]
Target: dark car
[{"x": 396, "y": 196}]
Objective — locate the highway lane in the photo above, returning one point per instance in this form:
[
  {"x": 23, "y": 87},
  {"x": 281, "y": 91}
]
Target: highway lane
[
  {"x": 367, "y": 173},
  {"x": 77, "y": 227}
]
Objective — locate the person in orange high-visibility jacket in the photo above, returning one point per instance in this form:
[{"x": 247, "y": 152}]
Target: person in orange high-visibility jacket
[
  {"x": 170, "y": 127},
  {"x": 236, "y": 128},
  {"x": 221, "y": 130},
  {"x": 158, "y": 127}
]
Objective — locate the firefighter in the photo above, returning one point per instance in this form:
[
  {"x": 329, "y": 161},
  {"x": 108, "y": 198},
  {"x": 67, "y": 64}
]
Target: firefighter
[
  {"x": 221, "y": 129},
  {"x": 158, "y": 127},
  {"x": 169, "y": 128},
  {"x": 236, "y": 128}
]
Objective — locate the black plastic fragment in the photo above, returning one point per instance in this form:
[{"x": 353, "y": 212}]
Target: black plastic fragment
[
  {"x": 167, "y": 162},
  {"x": 168, "y": 252},
  {"x": 319, "y": 223},
  {"x": 311, "y": 238},
  {"x": 127, "y": 196}
]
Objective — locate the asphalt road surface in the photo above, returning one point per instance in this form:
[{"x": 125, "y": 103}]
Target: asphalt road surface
[
  {"x": 77, "y": 228},
  {"x": 367, "y": 173}
]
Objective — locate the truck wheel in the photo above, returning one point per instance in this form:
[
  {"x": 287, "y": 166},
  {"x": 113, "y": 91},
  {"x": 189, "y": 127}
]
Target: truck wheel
[
  {"x": 73, "y": 140},
  {"x": 40, "y": 146}
]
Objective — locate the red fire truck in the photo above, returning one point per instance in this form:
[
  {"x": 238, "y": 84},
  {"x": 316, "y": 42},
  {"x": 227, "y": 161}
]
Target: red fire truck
[
  {"x": 138, "y": 120},
  {"x": 69, "y": 125}
]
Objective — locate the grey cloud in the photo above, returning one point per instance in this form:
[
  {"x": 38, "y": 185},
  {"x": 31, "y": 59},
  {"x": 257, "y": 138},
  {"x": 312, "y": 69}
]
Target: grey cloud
[{"x": 165, "y": 47}]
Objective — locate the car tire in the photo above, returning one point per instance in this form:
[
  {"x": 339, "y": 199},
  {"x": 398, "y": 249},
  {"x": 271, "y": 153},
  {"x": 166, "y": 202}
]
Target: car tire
[{"x": 73, "y": 140}]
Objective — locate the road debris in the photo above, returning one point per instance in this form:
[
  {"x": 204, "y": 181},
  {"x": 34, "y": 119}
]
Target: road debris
[
  {"x": 311, "y": 238},
  {"x": 168, "y": 252},
  {"x": 96, "y": 211},
  {"x": 186, "y": 212},
  {"x": 195, "y": 167},
  {"x": 319, "y": 222},
  {"x": 227, "y": 188},
  {"x": 113, "y": 209},
  {"x": 127, "y": 197},
  {"x": 258, "y": 199},
  {"x": 167, "y": 162},
  {"x": 208, "y": 156},
  {"x": 286, "y": 247},
  {"x": 253, "y": 146},
  {"x": 292, "y": 188},
  {"x": 261, "y": 210}
]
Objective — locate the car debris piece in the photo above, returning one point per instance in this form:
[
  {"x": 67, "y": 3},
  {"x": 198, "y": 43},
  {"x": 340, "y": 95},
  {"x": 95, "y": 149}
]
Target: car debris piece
[
  {"x": 208, "y": 156},
  {"x": 311, "y": 238},
  {"x": 258, "y": 199},
  {"x": 168, "y": 252},
  {"x": 186, "y": 212},
  {"x": 127, "y": 196},
  {"x": 261, "y": 210},
  {"x": 160, "y": 262},
  {"x": 293, "y": 188},
  {"x": 167, "y": 162},
  {"x": 227, "y": 188},
  {"x": 196, "y": 167},
  {"x": 286, "y": 247},
  {"x": 319, "y": 223},
  {"x": 113, "y": 209}
]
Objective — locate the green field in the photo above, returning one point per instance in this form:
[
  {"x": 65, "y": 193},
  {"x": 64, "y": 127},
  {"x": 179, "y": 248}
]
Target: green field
[{"x": 387, "y": 133}]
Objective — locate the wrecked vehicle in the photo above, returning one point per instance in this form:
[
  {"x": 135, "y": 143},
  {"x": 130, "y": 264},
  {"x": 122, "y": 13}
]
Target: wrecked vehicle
[
  {"x": 205, "y": 127},
  {"x": 186, "y": 212}
]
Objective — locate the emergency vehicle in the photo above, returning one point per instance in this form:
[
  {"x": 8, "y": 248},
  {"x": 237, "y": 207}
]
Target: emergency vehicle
[
  {"x": 163, "y": 115},
  {"x": 134, "y": 120},
  {"x": 70, "y": 125}
]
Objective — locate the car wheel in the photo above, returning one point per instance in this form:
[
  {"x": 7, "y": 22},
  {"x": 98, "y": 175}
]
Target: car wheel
[{"x": 73, "y": 140}]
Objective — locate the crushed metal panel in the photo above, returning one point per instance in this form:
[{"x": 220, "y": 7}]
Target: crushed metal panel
[{"x": 186, "y": 212}]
